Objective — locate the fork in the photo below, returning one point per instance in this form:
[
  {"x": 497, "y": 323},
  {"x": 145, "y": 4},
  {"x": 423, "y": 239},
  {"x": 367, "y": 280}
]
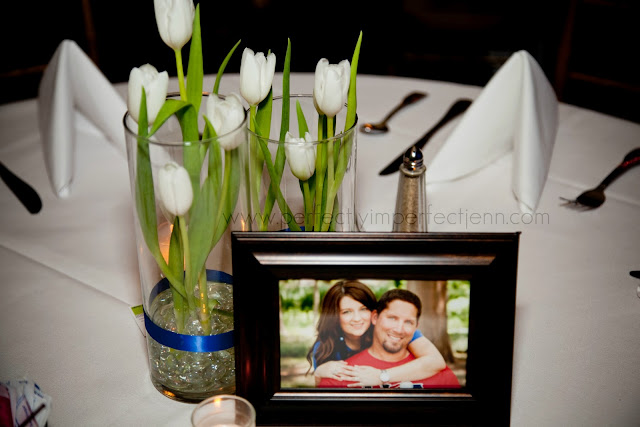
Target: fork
[{"x": 595, "y": 197}]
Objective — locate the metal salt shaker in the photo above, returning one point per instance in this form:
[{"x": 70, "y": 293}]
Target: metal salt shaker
[{"x": 411, "y": 202}]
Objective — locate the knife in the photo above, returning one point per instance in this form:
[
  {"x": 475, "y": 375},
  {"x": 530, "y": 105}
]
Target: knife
[
  {"x": 457, "y": 108},
  {"x": 23, "y": 191}
]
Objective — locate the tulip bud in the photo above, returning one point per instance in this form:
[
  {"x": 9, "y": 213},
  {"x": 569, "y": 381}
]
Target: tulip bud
[
  {"x": 256, "y": 75},
  {"x": 175, "y": 21},
  {"x": 155, "y": 86},
  {"x": 174, "y": 188},
  {"x": 226, "y": 115},
  {"x": 301, "y": 155},
  {"x": 331, "y": 86}
]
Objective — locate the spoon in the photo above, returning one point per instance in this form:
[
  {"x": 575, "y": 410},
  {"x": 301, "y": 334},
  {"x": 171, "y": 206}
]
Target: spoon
[{"x": 381, "y": 127}]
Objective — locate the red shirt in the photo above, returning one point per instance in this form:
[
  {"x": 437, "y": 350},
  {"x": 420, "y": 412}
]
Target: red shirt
[{"x": 443, "y": 379}]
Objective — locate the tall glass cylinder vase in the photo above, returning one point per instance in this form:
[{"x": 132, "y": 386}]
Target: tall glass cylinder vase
[
  {"x": 300, "y": 185},
  {"x": 186, "y": 196}
]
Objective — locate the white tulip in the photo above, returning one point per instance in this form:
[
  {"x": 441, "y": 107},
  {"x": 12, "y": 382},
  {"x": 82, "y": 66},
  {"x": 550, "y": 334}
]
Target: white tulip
[
  {"x": 256, "y": 75},
  {"x": 301, "y": 155},
  {"x": 175, "y": 21},
  {"x": 226, "y": 115},
  {"x": 174, "y": 188},
  {"x": 331, "y": 86},
  {"x": 155, "y": 86}
]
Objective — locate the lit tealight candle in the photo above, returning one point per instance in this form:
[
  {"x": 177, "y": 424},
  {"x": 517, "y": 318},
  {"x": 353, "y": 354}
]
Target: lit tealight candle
[{"x": 224, "y": 411}]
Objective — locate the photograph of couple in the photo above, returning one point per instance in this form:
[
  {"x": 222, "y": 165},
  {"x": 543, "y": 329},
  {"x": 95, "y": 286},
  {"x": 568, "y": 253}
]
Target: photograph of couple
[{"x": 374, "y": 335}]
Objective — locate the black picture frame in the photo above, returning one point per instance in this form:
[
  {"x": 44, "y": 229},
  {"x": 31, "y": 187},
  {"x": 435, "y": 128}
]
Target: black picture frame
[{"x": 488, "y": 260}]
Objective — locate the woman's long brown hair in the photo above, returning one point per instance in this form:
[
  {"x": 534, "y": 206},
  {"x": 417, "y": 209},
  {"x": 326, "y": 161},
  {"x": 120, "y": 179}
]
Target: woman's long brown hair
[{"x": 329, "y": 330}]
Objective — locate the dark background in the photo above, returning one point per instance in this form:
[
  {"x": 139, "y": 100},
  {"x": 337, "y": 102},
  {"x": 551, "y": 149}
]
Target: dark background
[{"x": 587, "y": 48}]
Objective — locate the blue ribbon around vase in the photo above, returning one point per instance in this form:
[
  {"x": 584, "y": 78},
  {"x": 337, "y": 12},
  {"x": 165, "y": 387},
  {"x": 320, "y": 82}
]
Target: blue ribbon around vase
[{"x": 194, "y": 343}]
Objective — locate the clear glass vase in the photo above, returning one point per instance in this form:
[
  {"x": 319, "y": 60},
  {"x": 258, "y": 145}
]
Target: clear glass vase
[
  {"x": 189, "y": 330},
  {"x": 277, "y": 198}
]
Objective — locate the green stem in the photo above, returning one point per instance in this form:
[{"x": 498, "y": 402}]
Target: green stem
[
  {"x": 271, "y": 197},
  {"x": 183, "y": 90},
  {"x": 178, "y": 310},
  {"x": 174, "y": 281},
  {"x": 203, "y": 308},
  {"x": 308, "y": 206},
  {"x": 330, "y": 198},
  {"x": 252, "y": 117},
  {"x": 341, "y": 168},
  {"x": 334, "y": 217},
  {"x": 320, "y": 171},
  {"x": 188, "y": 283},
  {"x": 175, "y": 263},
  {"x": 248, "y": 188},
  {"x": 330, "y": 169},
  {"x": 256, "y": 172},
  {"x": 224, "y": 194}
]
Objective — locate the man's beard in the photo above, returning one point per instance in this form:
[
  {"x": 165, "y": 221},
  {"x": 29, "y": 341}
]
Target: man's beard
[{"x": 393, "y": 348}]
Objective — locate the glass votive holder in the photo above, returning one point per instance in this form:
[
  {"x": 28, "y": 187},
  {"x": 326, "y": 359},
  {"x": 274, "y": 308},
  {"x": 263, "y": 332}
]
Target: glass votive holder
[{"x": 224, "y": 411}]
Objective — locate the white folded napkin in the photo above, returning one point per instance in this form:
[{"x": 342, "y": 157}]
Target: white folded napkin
[
  {"x": 72, "y": 85},
  {"x": 517, "y": 110}
]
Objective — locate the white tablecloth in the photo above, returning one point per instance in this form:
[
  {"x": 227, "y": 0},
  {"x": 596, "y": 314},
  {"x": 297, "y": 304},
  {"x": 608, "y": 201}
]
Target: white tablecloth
[{"x": 577, "y": 347}]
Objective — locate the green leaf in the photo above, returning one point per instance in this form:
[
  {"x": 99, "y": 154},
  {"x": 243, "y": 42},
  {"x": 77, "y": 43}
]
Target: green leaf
[
  {"x": 282, "y": 203},
  {"x": 302, "y": 122},
  {"x": 284, "y": 122},
  {"x": 222, "y": 67},
  {"x": 201, "y": 227},
  {"x": 195, "y": 71},
  {"x": 229, "y": 199},
  {"x": 263, "y": 116},
  {"x": 209, "y": 130},
  {"x": 343, "y": 158},
  {"x": 352, "y": 102},
  {"x": 176, "y": 257},
  {"x": 168, "y": 109},
  {"x": 145, "y": 197},
  {"x": 345, "y": 153},
  {"x": 284, "y": 128},
  {"x": 188, "y": 118}
]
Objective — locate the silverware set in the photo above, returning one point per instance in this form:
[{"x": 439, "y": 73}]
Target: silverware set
[
  {"x": 595, "y": 197},
  {"x": 589, "y": 199}
]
